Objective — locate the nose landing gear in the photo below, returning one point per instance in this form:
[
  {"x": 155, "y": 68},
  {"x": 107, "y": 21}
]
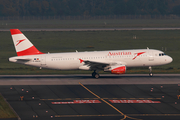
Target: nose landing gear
[{"x": 150, "y": 71}]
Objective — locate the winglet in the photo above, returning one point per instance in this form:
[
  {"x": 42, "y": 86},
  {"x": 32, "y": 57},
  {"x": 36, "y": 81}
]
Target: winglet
[{"x": 22, "y": 45}]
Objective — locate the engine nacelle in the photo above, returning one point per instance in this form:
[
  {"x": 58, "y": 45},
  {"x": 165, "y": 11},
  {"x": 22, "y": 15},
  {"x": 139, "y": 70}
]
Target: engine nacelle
[
  {"x": 118, "y": 69},
  {"x": 84, "y": 67}
]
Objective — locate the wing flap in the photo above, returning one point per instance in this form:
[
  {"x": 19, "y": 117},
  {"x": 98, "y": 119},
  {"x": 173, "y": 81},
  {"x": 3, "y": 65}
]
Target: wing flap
[
  {"x": 99, "y": 65},
  {"x": 93, "y": 65}
]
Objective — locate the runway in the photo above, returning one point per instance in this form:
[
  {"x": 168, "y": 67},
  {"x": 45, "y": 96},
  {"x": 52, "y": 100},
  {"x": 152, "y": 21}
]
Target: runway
[
  {"x": 86, "y": 79},
  {"x": 79, "y": 97},
  {"x": 94, "y": 29}
]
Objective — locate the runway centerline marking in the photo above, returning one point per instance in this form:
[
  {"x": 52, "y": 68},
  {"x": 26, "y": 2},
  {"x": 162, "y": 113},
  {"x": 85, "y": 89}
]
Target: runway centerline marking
[{"x": 125, "y": 116}]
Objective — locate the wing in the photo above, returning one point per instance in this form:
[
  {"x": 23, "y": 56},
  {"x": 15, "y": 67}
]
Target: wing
[{"x": 96, "y": 65}]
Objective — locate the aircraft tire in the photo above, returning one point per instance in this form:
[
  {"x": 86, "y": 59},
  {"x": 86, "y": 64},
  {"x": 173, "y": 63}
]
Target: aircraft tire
[
  {"x": 96, "y": 76},
  {"x": 150, "y": 74}
]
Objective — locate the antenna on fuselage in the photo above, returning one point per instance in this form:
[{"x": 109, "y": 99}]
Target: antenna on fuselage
[
  {"x": 148, "y": 51},
  {"x": 76, "y": 51}
]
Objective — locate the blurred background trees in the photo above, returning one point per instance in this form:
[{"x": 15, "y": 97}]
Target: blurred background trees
[{"x": 88, "y": 7}]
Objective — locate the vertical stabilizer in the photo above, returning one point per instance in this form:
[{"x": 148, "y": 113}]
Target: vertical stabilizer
[{"x": 22, "y": 45}]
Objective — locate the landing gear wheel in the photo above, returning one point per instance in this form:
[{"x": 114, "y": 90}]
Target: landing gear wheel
[
  {"x": 150, "y": 74},
  {"x": 96, "y": 76},
  {"x": 93, "y": 74},
  {"x": 150, "y": 71}
]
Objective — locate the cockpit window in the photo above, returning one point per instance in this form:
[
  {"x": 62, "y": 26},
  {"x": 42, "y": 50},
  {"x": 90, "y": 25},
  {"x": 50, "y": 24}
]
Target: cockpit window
[{"x": 162, "y": 54}]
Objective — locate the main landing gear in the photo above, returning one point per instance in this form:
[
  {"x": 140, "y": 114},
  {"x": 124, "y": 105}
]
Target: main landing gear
[
  {"x": 150, "y": 71},
  {"x": 95, "y": 75}
]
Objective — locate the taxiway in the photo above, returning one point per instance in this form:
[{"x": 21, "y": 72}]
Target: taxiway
[{"x": 82, "y": 97}]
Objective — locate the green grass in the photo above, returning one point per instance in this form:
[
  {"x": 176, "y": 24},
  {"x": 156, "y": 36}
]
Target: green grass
[
  {"x": 99, "y": 40},
  {"x": 5, "y": 110},
  {"x": 102, "y": 23}
]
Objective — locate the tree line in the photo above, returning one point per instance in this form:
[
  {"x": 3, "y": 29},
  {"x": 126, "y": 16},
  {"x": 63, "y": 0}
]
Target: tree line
[{"x": 88, "y": 7}]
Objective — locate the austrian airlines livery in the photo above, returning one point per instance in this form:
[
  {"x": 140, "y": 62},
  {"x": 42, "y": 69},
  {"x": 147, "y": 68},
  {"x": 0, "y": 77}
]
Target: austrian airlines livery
[{"x": 115, "y": 61}]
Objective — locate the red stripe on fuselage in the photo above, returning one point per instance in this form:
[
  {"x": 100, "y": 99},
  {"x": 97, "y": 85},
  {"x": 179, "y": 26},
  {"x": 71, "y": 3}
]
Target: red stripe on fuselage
[
  {"x": 30, "y": 51},
  {"x": 138, "y": 54},
  {"x": 15, "y": 31}
]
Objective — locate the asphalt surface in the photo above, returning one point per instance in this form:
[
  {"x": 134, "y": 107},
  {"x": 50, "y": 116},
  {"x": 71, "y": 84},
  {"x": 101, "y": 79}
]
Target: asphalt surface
[
  {"x": 86, "y": 79},
  {"x": 93, "y": 29},
  {"x": 155, "y": 100}
]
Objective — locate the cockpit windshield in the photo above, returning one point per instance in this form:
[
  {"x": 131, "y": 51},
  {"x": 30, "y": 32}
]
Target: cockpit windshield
[{"x": 162, "y": 54}]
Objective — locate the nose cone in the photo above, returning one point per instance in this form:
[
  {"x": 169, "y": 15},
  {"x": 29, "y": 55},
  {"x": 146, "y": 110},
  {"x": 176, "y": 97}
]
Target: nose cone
[{"x": 169, "y": 59}]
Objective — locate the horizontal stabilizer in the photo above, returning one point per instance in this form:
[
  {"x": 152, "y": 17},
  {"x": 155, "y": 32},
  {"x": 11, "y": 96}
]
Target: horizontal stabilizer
[{"x": 23, "y": 60}]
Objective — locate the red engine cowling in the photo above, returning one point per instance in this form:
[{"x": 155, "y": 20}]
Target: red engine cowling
[{"x": 119, "y": 70}]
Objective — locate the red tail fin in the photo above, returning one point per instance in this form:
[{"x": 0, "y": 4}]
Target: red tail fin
[{"x": 22, "y": 45}]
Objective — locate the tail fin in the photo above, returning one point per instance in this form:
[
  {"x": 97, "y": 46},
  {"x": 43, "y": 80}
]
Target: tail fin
[{"x": 22, "y": 45}]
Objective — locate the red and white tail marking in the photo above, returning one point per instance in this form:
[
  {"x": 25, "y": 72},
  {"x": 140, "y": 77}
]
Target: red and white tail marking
[
  {"x": 19, "y": 41},
  {"x": 22, "y": 45}
]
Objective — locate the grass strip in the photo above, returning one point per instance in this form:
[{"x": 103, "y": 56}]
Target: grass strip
[
  {"x": 5, "y": 109},
  {"x": 97, "y": 23}
]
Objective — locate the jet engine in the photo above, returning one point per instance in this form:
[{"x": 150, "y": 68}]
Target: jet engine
[
  {"x": 118, "y": 69},
  {"x": 84, "y": 67}
]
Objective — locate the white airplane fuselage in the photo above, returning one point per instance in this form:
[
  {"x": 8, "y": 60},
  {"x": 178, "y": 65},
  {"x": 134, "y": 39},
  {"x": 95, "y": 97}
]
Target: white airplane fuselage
[
  {"x": 115, "y": 61},
  {"x": 71, "y": 61}
]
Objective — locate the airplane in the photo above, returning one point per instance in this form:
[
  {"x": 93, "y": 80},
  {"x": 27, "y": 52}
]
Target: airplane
[{"x": 113, "y": 61}]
